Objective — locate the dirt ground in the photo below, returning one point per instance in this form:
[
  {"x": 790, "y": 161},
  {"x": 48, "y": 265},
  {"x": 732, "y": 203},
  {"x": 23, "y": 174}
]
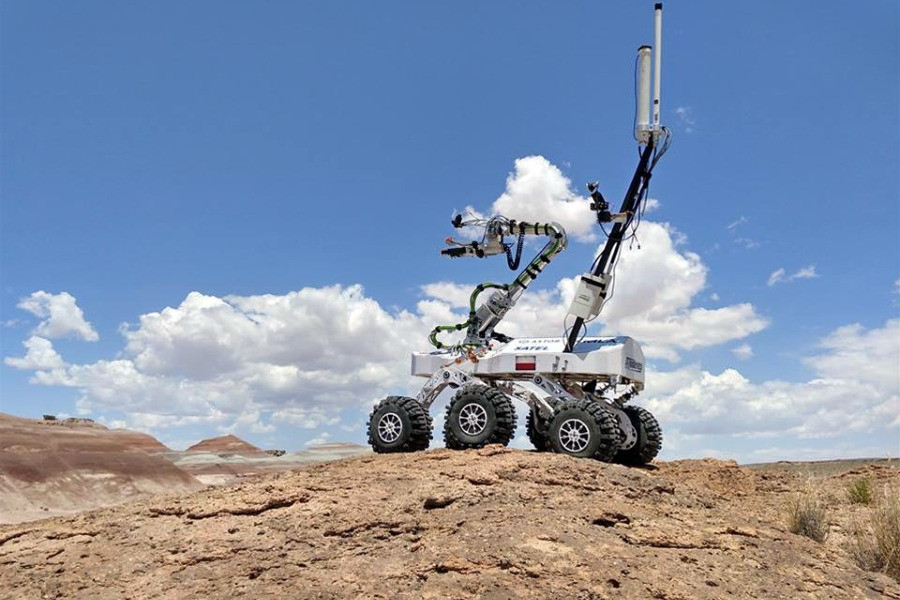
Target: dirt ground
[{"x": 492, "y": 523}]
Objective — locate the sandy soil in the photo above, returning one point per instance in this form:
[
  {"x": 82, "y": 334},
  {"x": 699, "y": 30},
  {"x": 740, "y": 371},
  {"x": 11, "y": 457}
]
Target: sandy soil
[{"x": 493, "y": 523}]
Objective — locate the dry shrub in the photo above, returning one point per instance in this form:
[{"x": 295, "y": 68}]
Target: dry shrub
[
  {"x": 875, "y": 539},
  {"x": 861, "y": 544},
  {"x": 861, "y": 490},
  {"x": 807, "y": 514}
]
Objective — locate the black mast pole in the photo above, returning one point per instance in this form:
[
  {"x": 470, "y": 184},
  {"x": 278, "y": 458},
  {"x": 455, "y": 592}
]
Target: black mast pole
[{"x": 629, "y": 206}]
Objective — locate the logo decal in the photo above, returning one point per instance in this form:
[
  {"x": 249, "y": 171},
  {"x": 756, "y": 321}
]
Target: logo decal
[{"x": 633, "y": 365}]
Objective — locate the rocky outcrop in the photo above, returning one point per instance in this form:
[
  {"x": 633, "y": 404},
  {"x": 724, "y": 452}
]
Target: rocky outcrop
[{"x": 491, "y": 523}]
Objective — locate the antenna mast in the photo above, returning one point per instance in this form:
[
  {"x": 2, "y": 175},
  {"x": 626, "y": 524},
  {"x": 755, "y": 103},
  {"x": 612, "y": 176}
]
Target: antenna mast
[{"x": 594, "y": 286}]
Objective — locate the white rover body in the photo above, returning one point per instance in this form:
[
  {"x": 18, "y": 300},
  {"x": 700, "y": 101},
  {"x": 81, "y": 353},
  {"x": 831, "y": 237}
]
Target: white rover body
[
  {"x": 575, "y": 387},
  {"x": 610, "y": 359}
]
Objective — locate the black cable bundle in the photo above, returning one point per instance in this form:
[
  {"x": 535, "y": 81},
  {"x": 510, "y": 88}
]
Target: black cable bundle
[{"x": 510, "y": 261}]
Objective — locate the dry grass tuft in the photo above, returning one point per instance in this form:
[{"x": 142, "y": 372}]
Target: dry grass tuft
[
  {"x": 861, "y": 490},
  {"x": 875, "y": 539},
  {"x": 807, "y": 515}
]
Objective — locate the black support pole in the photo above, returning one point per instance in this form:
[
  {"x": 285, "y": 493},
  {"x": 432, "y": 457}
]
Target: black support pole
[{"x": 629, "y": 206}]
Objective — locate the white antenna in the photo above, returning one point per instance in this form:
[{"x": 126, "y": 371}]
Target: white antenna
[
  {"x": 642, "y": 119},
  {"x": 646, "y": 126},
  {"x": 657, "y": 63}
]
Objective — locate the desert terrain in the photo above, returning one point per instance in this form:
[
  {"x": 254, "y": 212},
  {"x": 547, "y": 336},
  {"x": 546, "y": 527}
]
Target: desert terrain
[
  {"x": 228, "y": 459},
  {"x": 494, "y": 523},
  {"x": 55, "y": 467}
]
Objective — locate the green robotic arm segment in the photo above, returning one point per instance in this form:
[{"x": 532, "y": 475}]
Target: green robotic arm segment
[
  {"x": 482, "y": 320},
  {"x": 460, "y": 326}
]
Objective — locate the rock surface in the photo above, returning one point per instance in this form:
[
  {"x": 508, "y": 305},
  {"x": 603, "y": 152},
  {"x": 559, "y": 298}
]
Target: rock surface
[
  {"x": 56, "y": 467},
  {"x": 492, "y": 523}
]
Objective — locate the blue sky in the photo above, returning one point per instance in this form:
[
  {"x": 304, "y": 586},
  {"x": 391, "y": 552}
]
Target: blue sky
[{"x": 245, "y": 151}]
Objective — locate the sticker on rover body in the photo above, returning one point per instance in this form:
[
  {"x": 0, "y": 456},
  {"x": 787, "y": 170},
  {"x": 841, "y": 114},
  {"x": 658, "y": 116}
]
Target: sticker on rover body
[
  {"x": 602, "y": 342},
  {"x": 526, "y": 363},
  {"x": 633, "y": 365}
]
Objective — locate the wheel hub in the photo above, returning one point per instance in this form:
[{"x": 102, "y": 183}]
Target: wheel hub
[
  {"x": 390, "y": 427},
  {"x": 472, "y": 419},
  {"x": 574, "y": 435}
]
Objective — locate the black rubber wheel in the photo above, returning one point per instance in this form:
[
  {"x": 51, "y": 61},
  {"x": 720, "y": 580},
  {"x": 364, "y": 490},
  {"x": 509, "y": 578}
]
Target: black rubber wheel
[
  {"x": 584, "y": 429},
  {"x": 649, "y": 437},
  {"x": 477, "y": 416},
  {"x": 399, "y": 424},
  {"x": 536, "y": 428}
]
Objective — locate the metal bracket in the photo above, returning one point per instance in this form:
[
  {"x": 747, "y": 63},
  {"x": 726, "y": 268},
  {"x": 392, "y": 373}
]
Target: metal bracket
[
  {"x": 625, "y": 425},
  {"x": 552, "y": 388},
  {"x": 443, "y": 378},
  {"x": 517, "y": 390}
]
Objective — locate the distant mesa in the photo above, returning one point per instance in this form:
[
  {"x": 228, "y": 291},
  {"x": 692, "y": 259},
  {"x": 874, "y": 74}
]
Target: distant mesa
[
  {"x": 123, "y": 438},
  {"x": 55, "y": 467},
  {"x": 70, "y": 422},
  {"x": 334, "y": 446},
  {"x": 227, "y": 459},
  {"x": 334, "y": 450},
  {"x": 226, "y": 445}
]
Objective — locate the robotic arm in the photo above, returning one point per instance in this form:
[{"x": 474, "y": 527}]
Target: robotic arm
[
  {"x": 492, "y": 242},
  {"x": 485, "y": 317},
  {"x": 593, "y": 287},
  {"x": 591, "y": 294}
]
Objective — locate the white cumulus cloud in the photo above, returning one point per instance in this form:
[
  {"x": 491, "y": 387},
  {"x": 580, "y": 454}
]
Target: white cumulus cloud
[
  {"x": 656, "y": 279},
  {"x": 871, "y": 356},
  {"x": 61, "y": 316},
  {"x": 298, "y": 358},
  {"x": 856, "y": 390},
  {"x": 39, "y": 356},
  {"x": 654, "y": 290}
]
